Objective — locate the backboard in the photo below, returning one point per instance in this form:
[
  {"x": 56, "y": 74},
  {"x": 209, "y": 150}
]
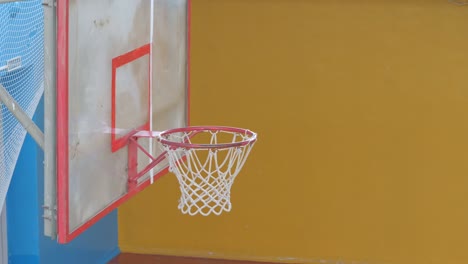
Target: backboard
[{"x": 122, "y": 66}]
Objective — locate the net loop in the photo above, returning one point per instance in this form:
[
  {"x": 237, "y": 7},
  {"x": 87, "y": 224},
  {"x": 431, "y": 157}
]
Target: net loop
[{"x": 206, "y": 161}]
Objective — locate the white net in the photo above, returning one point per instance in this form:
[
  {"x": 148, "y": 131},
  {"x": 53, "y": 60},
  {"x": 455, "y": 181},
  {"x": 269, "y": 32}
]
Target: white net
[
  {"x": 206, "y": 171},
  {"x": 21, "y": 73}
]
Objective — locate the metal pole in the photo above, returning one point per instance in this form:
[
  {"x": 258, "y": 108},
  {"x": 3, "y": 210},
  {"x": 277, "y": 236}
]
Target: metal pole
[
  {"x": 21, "y": 116},
  {"x": 3, "y": 222},
  {"x": 50, "y": 172},
  {"x": 3, "y": 237}
]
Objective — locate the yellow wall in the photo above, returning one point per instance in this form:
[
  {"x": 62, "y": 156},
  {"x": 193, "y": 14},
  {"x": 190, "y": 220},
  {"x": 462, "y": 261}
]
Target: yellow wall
[{"x": 362, "y": 113}]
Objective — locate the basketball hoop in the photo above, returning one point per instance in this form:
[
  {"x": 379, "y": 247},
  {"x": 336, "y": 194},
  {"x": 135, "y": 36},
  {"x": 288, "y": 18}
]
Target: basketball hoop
[{"x": 206, "y": 161}]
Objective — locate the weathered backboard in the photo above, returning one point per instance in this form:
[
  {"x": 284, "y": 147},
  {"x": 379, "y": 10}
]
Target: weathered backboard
[{"x": 122, "y": 66}]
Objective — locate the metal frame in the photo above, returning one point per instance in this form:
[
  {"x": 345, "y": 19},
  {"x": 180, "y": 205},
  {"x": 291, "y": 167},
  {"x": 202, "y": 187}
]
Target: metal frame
[
  {"x": 50, "y": 174},
  {"x": 45, "y": 140},
  {"x": 42, "y": 139},
  {"x": 65, "y": 235}
]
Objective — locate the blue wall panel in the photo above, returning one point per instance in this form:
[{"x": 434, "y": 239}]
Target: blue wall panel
[
  {"x": 27, "y": 244},
  {"x": 23, "y": 208}
]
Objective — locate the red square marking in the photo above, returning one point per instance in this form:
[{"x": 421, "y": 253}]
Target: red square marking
[{"x": 119, "y": 142}]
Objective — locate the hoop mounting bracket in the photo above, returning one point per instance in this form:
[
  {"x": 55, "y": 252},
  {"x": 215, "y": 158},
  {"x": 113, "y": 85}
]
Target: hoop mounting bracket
[{"x": 134, "y": 175}]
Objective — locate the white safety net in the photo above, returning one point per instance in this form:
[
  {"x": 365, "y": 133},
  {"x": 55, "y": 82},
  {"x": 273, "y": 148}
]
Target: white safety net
[
  {"x": 21, "y": 73},
  {"x": 206, "y": 173}
]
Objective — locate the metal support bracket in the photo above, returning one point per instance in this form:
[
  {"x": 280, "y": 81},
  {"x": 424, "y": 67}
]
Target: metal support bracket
[
  {"x": 133, "y": 148},
  {"x": 50, "y": 214},
  {"x": 50, "y": 92},
  {"x": 45, "y": 140},
  {"x": 16, "y": 110}
]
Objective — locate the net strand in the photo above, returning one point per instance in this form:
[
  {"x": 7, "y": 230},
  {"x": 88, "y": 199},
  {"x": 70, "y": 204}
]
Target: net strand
[{"x": 206, "y": 175}]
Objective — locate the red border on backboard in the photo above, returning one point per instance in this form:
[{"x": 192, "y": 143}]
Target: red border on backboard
[
  {"x": 63, "y": 229},
  {"x": 118, "y": 143},
  {"x": 62, "y": 121}
]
